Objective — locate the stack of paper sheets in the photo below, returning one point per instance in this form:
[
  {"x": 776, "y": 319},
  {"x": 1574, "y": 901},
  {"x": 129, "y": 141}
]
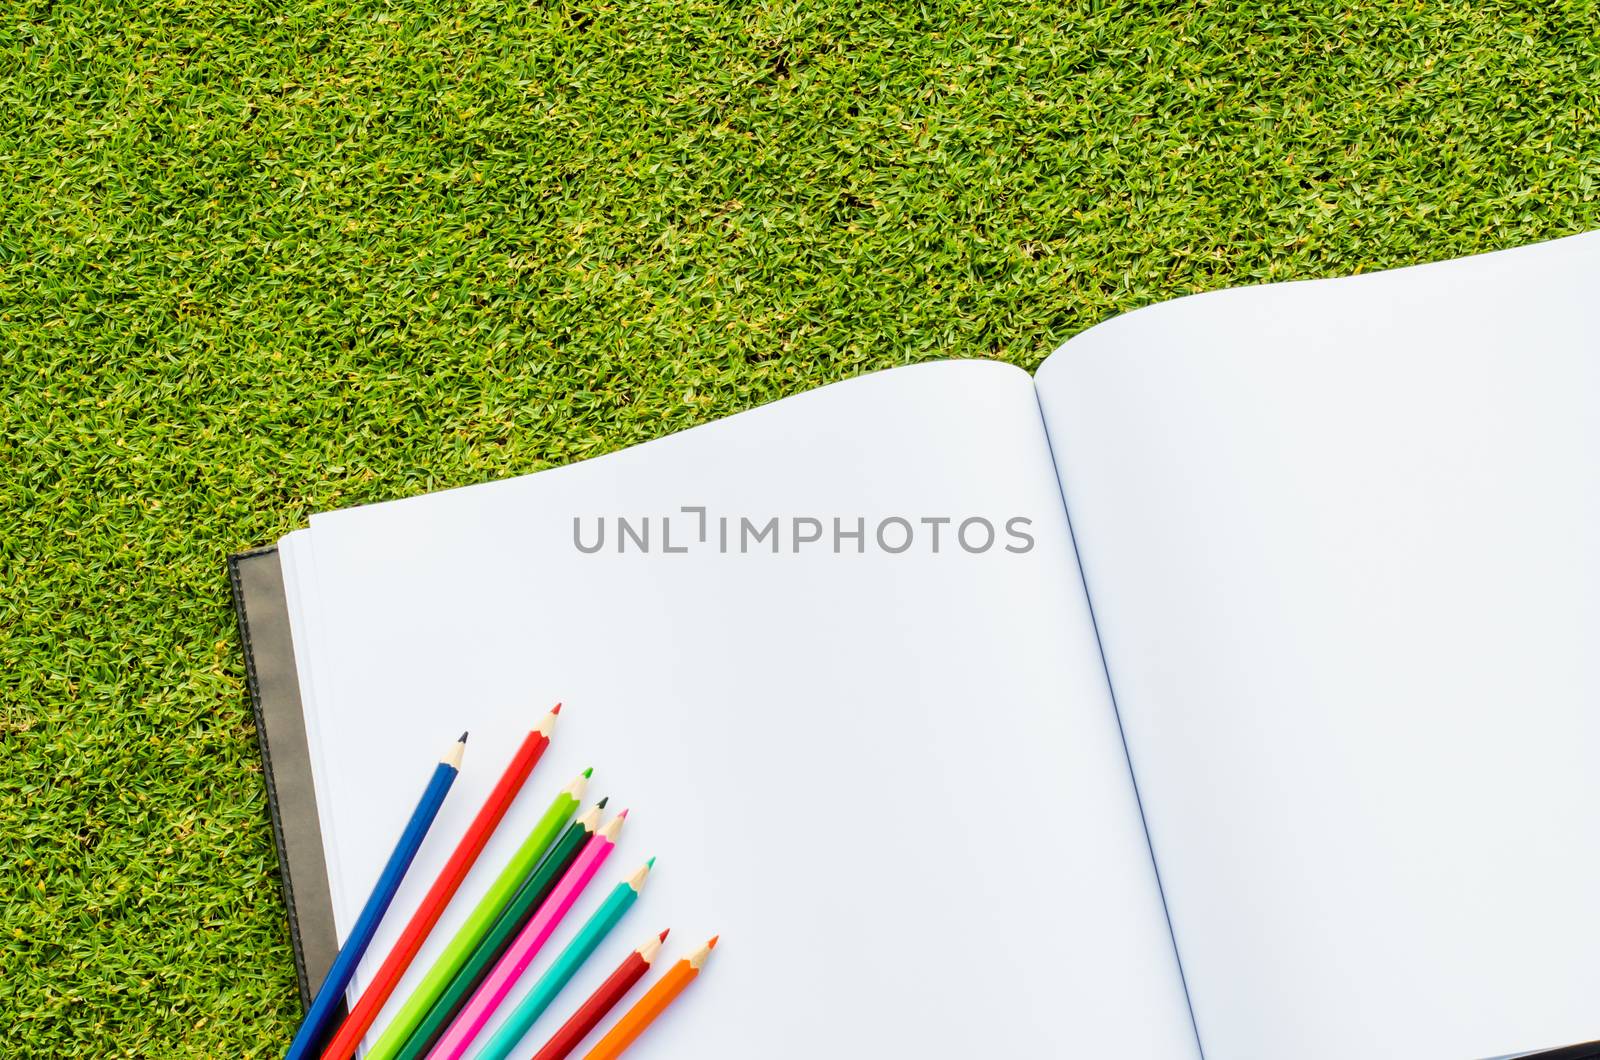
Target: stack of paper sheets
[{"x": 1340, "y": 539}]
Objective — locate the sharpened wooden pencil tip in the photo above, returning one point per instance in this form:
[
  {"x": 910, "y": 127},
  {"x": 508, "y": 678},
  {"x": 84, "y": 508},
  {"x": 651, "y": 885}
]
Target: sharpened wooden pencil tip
[
  {"x": 665, "y": 933},
  {"x": 652, "y": 949},
  {"x": 547, "y": 722},
  {"x": 602, "y": 803},
  {"x": 623, "y": 816},
  {"x": 698, "y": 958},
  {"x": 462, "y": 738},
  {"x": 587, "y": 773}
]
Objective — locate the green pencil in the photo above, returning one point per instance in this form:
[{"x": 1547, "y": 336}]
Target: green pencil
[
  {"x": 521, "y": 866},
  {"x": 589, "y": 937},
  {"x": 528, "y": 898}
]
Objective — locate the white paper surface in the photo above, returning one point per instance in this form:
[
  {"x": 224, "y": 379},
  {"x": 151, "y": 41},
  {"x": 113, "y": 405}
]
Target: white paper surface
[
  {"x": 1341, "y": 539},
  {"x": 894, "y": 784}
]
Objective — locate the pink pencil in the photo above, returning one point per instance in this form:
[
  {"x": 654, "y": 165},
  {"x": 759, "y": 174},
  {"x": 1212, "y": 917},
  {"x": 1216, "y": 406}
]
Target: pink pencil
[{"x": 503, "y": 976}]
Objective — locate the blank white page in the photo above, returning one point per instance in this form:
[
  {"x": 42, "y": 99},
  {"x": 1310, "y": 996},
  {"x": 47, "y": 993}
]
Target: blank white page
[
  {"x": 893, "y": 783},
  {"x": 1341, "y": 540}
]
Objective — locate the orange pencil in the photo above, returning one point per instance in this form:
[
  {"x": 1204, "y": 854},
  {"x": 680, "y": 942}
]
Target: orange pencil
[{"x": 651, "y": 1006}]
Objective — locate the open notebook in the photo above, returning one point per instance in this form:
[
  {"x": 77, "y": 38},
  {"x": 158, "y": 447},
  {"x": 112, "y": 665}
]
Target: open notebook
[{"x": 1284, "y": 744}]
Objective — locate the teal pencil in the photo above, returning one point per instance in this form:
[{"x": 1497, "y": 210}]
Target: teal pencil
[{"x": 589, "y": 937}]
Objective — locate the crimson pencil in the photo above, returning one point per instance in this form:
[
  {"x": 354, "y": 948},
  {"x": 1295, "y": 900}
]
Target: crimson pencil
[
  {"x": 602, "y": 1001},
  {"x": 444, "y": 888}
]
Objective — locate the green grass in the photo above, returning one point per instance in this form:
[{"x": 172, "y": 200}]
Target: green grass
[{"x": 321, "y": 252}]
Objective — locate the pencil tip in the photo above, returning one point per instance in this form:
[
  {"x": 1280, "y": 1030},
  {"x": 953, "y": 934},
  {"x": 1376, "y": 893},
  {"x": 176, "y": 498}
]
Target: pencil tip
[
  {"x": 602, "y": 803},
  {"x": 665, "y": 933},
  {"x": 587, "y": 773},
  {"x": 623, "y": 816},
  {"x": 650, "y": 864},
  {"x": 462, "y": 738},
  {"x": 556, "y": 709},
  {"x": 713, "y": 943}
]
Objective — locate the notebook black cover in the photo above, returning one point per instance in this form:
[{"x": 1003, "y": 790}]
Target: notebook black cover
[
  {"x": 1591, "y": 1051},
  {"x": 258, "y": 598}
]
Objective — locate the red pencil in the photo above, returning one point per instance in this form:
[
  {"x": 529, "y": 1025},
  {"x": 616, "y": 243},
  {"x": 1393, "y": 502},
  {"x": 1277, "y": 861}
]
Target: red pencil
[
  {"x": 444, "y": 888},
  {"x": 602, "y": 1001}
]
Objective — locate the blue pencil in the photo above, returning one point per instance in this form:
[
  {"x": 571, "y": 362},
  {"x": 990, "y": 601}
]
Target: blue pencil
[{"x": 319, "y": 1018}]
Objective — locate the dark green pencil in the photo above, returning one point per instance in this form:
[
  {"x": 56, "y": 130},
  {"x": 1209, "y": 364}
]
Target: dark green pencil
[{"x": 523, "y": 904}]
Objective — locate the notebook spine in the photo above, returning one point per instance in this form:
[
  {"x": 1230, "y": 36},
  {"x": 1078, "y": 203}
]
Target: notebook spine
[{"x": 252, "y": 681}]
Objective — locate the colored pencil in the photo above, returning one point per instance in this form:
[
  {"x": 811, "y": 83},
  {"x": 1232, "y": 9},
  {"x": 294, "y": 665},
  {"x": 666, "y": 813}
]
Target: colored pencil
[
  {"x": 559, "y": 974},
  {"x": 498, "y": 983},
  {"x": 600, "y": 1003},
  {"x": 495, "y": 901},
  {"x": 319, "y": 1017},
  {"x": 523, "y": 904},
  {"x": 444, "y": 888},
  {"x": 637, "y": 1020}
]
